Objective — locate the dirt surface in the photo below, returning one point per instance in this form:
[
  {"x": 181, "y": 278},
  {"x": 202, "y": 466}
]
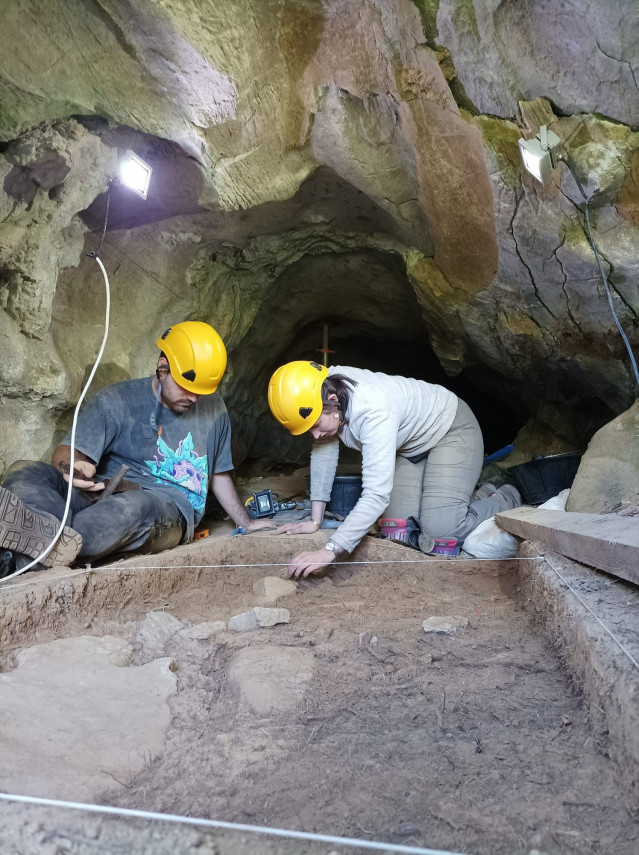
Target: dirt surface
[{"x": 475, "y": 742}]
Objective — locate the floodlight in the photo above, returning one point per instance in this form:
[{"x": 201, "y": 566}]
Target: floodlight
[
  {"x": 135, "y": 173},
  {"x": 540, "y": 154}
]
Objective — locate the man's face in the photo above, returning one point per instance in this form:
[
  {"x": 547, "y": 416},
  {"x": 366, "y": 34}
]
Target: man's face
[{"x": 177, "y": 399}]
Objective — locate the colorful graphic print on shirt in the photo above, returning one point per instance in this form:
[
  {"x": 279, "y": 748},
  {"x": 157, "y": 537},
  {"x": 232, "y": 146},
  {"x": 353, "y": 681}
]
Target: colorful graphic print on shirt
[{"x": 183, "y": 469}]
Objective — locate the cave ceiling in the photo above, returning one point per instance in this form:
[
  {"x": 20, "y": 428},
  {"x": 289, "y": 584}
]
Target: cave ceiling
[{"x": 352, "y": 163}]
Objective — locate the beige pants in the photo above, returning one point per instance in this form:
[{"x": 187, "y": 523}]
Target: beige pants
[{"x": 437, "y": 491}]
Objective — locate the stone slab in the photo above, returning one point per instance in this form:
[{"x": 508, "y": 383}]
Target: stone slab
[
  {"x": 155, "y": 631},
  {"x": 258, "y": 617},
  {"x": 447, "y": 624},
  {"x": 271, "y": 588},
  {"x": 74, "y": 723}
]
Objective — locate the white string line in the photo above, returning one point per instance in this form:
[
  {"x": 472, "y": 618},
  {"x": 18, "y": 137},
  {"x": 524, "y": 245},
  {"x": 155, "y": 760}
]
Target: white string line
[
  {"x": 126, "y": 567},
  {"x": 586, "y": 606},
  {"x": 231, "y": 826},
  {"x": 76, "y": 413}
]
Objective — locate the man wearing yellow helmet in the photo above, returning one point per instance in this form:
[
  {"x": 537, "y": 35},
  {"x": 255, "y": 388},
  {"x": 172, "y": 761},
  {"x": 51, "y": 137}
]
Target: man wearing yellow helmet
[
  {"x": 421, "y": 447},
  {"x": 174, "y": 436}
]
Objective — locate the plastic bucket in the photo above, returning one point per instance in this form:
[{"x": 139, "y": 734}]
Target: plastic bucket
[
  {"x": 346, "y": 491},
  {"x": 543, "y": 477}
]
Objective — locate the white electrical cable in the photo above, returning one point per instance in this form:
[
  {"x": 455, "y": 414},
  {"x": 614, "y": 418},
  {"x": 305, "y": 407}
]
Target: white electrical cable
[
  {"x": 595, "y": 249},
  {"x": 230, "y": 826},
  {"x": 45, "y": 552}
]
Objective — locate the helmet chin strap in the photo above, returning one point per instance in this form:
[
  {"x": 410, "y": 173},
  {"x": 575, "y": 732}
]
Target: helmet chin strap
[{"x": 155, "y": 415}]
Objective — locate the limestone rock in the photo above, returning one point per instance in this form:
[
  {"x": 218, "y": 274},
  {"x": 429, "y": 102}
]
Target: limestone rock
[
  {"x": 258, "y": 617},
  {"x": 271, "y": 588},
  {"x": 271, "y": 679},
  {"x": 203, "y": 631},
  {"x": 546, "y": 297},
  {"x": 51, "y": 173},
  {"x": 270, "y": 617},
  {"x": 73, "y": 720},
  {"x": 447, "y": 624},
  {"x": 505, "y": 51},
  {"x": 609, "y": 470},
  {"x": 315, "y": 164},
  {"x": 155, "y": 631}
]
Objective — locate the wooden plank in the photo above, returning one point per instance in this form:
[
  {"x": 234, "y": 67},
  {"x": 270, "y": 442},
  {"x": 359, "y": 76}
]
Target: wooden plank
[{"x": 605, "y": 541}]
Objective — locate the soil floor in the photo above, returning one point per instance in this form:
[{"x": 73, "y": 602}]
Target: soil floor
[{"x": 475, "y": 742}]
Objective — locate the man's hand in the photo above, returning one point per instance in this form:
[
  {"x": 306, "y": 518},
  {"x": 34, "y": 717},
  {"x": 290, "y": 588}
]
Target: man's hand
[
  {"x": 304, "y": 527},
  {"x": 83, "y": 469},
  {"x": 310, "y": 562},
  {"x": 86, "y": 482}
]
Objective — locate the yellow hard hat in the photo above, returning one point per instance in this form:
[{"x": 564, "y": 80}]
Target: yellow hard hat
[
  {"x": 196, "y": 355},
  {"x": 295, "y": 395}
]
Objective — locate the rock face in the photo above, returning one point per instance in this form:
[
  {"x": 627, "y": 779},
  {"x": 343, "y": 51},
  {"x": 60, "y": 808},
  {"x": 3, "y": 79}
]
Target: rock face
[
  {"x": 609, "y": 471},
  {"x": 345, "y": 163},
  {"x": 584, "y": 52}
]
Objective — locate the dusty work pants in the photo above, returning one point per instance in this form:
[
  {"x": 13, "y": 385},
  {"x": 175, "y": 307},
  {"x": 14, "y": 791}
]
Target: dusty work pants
[
  {"x": 437, "y": 491},
  {"x": 142, "y": 521}
]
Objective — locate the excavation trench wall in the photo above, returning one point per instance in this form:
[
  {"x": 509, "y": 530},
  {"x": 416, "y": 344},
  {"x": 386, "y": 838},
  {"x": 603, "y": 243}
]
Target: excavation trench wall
[{"x": 598, "y": 666}]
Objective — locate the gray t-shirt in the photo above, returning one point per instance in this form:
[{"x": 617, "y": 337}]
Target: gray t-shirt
[{"x": 117, "y": 426}]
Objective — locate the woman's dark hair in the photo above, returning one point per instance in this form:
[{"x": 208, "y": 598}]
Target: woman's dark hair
[{"x": 340, "y": 385}]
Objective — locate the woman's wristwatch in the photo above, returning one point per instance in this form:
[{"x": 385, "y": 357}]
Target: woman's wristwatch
[{"x": 331, "y": 546}]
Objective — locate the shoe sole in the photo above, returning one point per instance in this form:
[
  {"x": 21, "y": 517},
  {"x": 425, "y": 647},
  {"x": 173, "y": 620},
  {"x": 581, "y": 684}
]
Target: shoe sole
[{"x": 22, "y": 530}]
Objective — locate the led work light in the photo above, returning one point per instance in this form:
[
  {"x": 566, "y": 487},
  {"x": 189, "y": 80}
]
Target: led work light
[
  {"x": 540, "y": 154},
  {"x": 135, "y": 173}
]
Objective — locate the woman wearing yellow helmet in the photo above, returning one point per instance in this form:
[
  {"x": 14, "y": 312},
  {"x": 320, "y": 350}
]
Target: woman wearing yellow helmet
[{"x": 422, "y": 453}]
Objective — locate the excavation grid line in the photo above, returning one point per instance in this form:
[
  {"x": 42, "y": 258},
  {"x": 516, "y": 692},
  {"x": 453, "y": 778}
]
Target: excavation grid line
[{"x": 231, "y": 826}]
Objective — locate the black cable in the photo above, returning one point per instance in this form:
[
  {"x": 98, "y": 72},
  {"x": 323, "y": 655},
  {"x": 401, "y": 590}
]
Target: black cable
[
  {"x": 96, "y": 254},
  {"x": 595, "y": 250}
]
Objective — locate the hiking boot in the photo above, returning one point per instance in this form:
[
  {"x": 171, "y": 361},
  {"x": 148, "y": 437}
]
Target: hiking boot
[
  {"x": 13, "y": 562},
  {"x": 7, "y": 563},
  {"x": 30, "y": 532},
  {"x": 511, "y": 495},
  {"x": 484, "y": 491},
  {"x": 404, "y": 531}
]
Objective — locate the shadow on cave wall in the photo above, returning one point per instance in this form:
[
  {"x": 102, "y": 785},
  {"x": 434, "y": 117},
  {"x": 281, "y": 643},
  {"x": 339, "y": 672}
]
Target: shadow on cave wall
[{"x": 374, "y": 322}]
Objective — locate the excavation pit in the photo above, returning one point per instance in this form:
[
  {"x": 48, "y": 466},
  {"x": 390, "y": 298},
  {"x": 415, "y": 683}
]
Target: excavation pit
[{"x": 349, "y": 720}]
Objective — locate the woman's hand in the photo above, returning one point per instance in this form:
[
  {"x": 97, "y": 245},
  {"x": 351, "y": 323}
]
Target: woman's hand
[
  {"x": 260, "y": 525},
  {"x": 310, "y": 562},
  {"x": 304, "y": 527}
]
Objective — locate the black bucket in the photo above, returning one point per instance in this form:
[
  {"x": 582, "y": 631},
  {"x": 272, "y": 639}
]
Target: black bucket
[
  {"x": 346, "y": 491},
  {"x": 544, "y": 477}
]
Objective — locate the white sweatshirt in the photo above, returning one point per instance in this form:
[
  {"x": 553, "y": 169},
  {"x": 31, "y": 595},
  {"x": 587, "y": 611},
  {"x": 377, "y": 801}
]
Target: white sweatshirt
[{"x": 386, "y": 416}]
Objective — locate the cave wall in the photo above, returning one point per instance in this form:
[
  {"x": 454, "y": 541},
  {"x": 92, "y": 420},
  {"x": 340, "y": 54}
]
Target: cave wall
[{"x": 299, "y": 147}]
